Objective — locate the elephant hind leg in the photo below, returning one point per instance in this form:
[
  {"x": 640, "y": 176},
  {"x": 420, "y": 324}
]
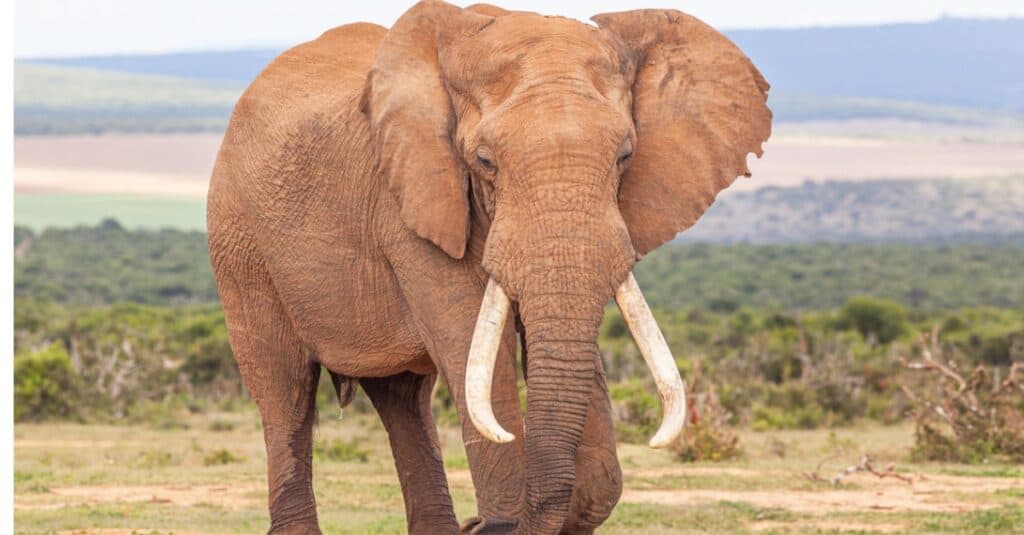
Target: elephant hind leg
[
  {"x": 282, "y": 376},
  {"x": 288, "y": 419},
  {"x": 403, "y": 402}
]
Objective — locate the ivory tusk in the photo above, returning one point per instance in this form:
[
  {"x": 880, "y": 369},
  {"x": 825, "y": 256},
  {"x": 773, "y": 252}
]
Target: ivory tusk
[
  {"x": 483, "y": 352},
  {"x": 659, "y": 360}
]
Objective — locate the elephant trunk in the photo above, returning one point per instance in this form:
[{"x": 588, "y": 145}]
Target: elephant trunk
[
  {"x": 561, "y": 319},
  {"x": 562, "y": 256}
]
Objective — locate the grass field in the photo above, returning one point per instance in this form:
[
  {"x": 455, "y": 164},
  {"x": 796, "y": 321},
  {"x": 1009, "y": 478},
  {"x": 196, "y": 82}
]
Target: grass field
[
  {"x": 42, "y": 210},
  {"x": 208, "y": 477}
]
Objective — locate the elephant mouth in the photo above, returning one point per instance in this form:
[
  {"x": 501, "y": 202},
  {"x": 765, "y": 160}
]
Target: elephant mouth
[{"x": 483, "y": 353}]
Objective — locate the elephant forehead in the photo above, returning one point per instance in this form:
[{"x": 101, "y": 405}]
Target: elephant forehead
[{"x": 525, "y": 48}]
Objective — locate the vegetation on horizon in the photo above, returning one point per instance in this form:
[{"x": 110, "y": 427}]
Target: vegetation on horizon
[{"x": 108, "y": 264}]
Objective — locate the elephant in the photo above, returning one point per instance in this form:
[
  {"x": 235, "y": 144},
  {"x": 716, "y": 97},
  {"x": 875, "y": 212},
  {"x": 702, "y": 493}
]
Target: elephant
[{"x": 396, "y": 204}]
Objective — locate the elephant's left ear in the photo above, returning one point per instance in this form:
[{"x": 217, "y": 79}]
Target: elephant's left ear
[{"x": 699, "y": 106}]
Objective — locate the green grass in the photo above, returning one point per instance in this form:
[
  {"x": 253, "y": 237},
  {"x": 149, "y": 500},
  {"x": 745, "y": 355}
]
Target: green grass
[
  {"x": 42, "y": 210},
  {"x": 67, "y": 476}
]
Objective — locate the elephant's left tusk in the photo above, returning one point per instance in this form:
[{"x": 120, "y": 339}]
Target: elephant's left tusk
[
  {"x": 659, "y": 359},
  {"x": 483, "y": 352}
]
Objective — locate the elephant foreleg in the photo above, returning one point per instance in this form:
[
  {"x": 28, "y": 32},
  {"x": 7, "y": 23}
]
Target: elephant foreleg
[{"x": 403, "y": 402}]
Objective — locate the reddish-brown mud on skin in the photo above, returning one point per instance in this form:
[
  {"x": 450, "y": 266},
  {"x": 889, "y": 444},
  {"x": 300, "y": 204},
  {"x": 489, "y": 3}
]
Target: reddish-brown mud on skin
[{"x": 372, "y": 180}]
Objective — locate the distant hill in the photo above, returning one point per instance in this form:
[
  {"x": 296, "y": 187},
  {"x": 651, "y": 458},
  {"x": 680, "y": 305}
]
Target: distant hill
[
  {"x": 235, "y": 65},
  {"x": 58, "y": 100},
  {"x": 953, "y": 62},
  {"x": 985, "y": 210},
  {"x": 950, "y": 70}
]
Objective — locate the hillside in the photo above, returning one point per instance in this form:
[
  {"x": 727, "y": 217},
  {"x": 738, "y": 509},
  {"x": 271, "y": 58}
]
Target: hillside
[
  {"x": 59, "y": 100},
  {"x": 954, "y": 62},
  {"x": 899, "y": 62},
  {"x": 950, "y": 70},
  {"x": 982, "y": 209}
]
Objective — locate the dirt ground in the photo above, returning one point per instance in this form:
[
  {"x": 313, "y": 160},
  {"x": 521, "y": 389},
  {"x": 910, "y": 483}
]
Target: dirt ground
[
  {"x": 180, "y": 164},
  {"x": 932, "y": 493},
  {"x": 113, "y": 480}
]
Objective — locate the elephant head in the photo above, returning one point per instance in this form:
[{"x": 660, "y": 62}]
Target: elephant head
[{"x": 583, "y": 148}]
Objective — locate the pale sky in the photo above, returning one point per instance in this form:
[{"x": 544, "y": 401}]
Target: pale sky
[{"x": 87, "y": 27}]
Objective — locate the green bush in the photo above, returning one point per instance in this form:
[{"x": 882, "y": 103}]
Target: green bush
[
  {"x": 768, "y": 418},
  {"x": 706, "y": 441},
  {"x": 637, "y": 410},
  {"x": 221, "y": 457},
  {"x": 341, "y": 451},
  {"x": 46, "y": 386},
  {"x": 883, "y": 320}
]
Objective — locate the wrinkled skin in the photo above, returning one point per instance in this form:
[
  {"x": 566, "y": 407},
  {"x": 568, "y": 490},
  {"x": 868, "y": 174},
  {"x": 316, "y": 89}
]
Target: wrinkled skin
[{"x": 371, "y": 181}]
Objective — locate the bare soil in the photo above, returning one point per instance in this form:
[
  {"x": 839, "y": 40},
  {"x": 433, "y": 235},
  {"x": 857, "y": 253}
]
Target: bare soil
[
  {"x": 119, "y": 531},
  {"x": 175, "y": 165},
  {"x": 233, "y": 496},
  {"x": 859, "y": 492}
]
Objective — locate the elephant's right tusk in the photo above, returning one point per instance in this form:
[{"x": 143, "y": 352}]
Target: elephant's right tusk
[
  {"x": 483, "y": 352},
  {"x": 659, "y": 359}
]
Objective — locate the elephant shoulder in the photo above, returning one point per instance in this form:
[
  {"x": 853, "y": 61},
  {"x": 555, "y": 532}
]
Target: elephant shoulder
[
  {"x": 298, "y": 126},
  {"x": 313, "y": 82}
]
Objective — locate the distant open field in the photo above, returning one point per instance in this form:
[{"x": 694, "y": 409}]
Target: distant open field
[
  {"x": 43, "y": 210},
  {"x": 209, "y": 478},
  {"x": 153, "y": 180},
  {"x": 180, "y": 164},
  {"x": 171, "y": 164}
]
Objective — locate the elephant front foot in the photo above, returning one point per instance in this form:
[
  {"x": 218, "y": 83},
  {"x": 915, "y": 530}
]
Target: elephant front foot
[
  {"x": 300, "y": 527},
  {"x": 487, "y": 526},
  {"x": 597, "y": 491}
]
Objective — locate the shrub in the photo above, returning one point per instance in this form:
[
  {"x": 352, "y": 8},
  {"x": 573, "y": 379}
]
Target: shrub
[
  {"x": 46, "y": 386},
  {"x": 883, "y": 320},
  {"x": 221, "y": 426},
  {"x": 221, "y": 457},
  {"x": 974, "y": 419},
  {"x": 637, "y": 411},
  {"x": 167, "y": 414},
  {"x": 342, "y": 451},
  {"x": 706, "y": 438},
  {"x": 768, "y": 418},
  {"x": 706, "y": 442}
]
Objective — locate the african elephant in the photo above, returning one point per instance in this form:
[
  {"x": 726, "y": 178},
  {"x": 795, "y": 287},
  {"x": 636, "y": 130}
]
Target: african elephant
[{"x": 391, "y": 204}]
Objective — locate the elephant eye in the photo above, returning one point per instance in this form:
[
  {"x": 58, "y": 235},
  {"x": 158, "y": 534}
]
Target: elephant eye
[
  {"x": 484, "y": 158},
  {"x": 625, "y": 157}
]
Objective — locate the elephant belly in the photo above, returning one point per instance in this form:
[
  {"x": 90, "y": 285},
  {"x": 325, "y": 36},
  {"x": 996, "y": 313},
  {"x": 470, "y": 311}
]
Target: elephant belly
[{"x": 348, "y": 309}]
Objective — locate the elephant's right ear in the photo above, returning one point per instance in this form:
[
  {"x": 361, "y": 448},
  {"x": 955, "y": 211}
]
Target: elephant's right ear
[{"x": 411, "y": 122}]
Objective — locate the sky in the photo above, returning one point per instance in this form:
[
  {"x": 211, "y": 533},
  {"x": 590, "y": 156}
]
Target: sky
[{"x": 93, "y": 27}]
